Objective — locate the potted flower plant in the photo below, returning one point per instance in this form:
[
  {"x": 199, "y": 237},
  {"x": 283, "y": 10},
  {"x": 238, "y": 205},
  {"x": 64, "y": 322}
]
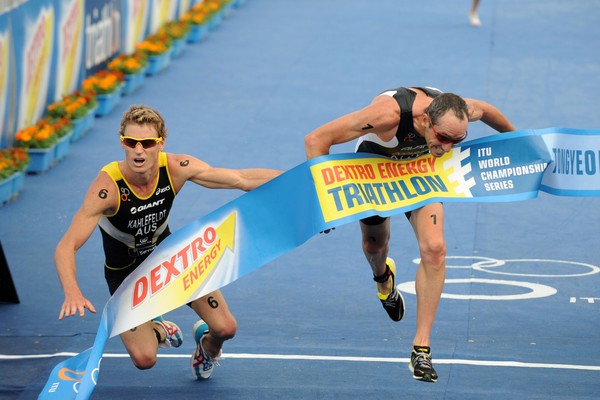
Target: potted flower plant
[
  {"x": 13, "y": 163},
  {"x": 40, "y": 141},
  {"x": 133, "y": 67},
  {"x": 79, "y": 108},
  {"x": 215, "y": 9},
  {"x": 198, "y": 17},
  {"x": 106, "y": 87},
  {"x": 62, "y": 129},
  {"x": 157, "y": 47},
  {"x": 41, "y": 135},
  {"x": 178, "y": 32}
]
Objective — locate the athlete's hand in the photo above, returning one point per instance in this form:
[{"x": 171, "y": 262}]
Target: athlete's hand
[
  {"x": 326, "y": 231},
  {"x": 74, "y": 304}
]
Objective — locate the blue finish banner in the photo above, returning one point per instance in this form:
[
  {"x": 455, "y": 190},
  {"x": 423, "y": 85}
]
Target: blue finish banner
[{"x": 320, "y": 194}]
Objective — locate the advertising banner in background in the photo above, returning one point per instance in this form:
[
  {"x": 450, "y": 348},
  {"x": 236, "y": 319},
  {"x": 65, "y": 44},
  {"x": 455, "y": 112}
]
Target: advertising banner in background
[
  {"x": 6, "y": 90},
  {"x": 33, "y": 28},
  {"x": 68, "y": 55},
  {"x": 135, "y": 17},
  {"x": 162, "y": 11},
  {"x": 47, "y": 48},
  {"x": 103, "y": 33}
]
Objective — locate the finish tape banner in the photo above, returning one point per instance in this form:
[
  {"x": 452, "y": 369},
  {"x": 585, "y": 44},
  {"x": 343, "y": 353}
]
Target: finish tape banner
[{"x": 320, "y": 194}]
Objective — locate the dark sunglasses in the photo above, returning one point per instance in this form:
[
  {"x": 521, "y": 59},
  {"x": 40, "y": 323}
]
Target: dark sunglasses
[
  {"x": 444, "y": 139},
  {"x": 146, "y": 143}
]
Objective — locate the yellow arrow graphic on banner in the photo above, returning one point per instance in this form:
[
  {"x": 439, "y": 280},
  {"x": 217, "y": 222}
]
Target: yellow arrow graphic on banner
[{"x": 194, "y": 276}]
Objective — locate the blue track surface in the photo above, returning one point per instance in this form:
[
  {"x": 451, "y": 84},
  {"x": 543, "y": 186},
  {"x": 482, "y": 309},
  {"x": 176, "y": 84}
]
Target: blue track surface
[{"x": 310, "y": 324}]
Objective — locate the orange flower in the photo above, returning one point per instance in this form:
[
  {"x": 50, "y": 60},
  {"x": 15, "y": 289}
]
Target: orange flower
[
  {"x": 12, "y": 160},
  {"x": 176, "y": 29},
  {"x": 103, "y": 82},
  {"x": 152, "y": 48},
  {"x": 155, "y": 44},
  {"x": 44, "y": 133},
  {"x": 73, "y": 106},
  {"x": 41, "y": 135},
  {"x": 199, "y": 14},
  {"x": 128, "y": 63}
]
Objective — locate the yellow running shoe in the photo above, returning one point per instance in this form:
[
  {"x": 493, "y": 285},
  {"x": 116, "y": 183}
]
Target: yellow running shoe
[{"x": 393, "y": 302}]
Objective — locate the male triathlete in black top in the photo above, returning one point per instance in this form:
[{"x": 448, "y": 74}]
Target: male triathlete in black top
[
  {"x": 406, "y": 123},
  {"x": 407, "y": 143},
  {"x": 138, "y": 224},
  {"x": 130, "y": 200}
]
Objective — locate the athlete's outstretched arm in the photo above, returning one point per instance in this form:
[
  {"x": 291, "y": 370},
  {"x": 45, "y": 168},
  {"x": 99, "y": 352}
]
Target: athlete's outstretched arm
[
  {"x": 489, "y": 115},
  {"x": 101, "y": 197},
  {"x": 381, "y": 117},
  {"x": 184, "y": 167}
]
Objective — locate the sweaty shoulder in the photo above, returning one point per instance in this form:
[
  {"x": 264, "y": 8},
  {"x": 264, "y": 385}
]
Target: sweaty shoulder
[
  {"x": 386, "y": 104},
  {"x": 183, "y": 167},
  {"x": 474, "y": 108},
  {"x": 177, "y": 160},
  {"x": 103, "y": 194},
  {"x": 178, "y": 164},
  {"x": 381, "y": 117}
]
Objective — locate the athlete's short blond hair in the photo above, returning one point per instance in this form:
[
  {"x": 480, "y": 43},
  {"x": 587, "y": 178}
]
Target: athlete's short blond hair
[{"x": 143, "y": 115}]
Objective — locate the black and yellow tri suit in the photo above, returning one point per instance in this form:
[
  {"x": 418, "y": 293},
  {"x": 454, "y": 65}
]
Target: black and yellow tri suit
[{"x": 138, "y": 224}]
